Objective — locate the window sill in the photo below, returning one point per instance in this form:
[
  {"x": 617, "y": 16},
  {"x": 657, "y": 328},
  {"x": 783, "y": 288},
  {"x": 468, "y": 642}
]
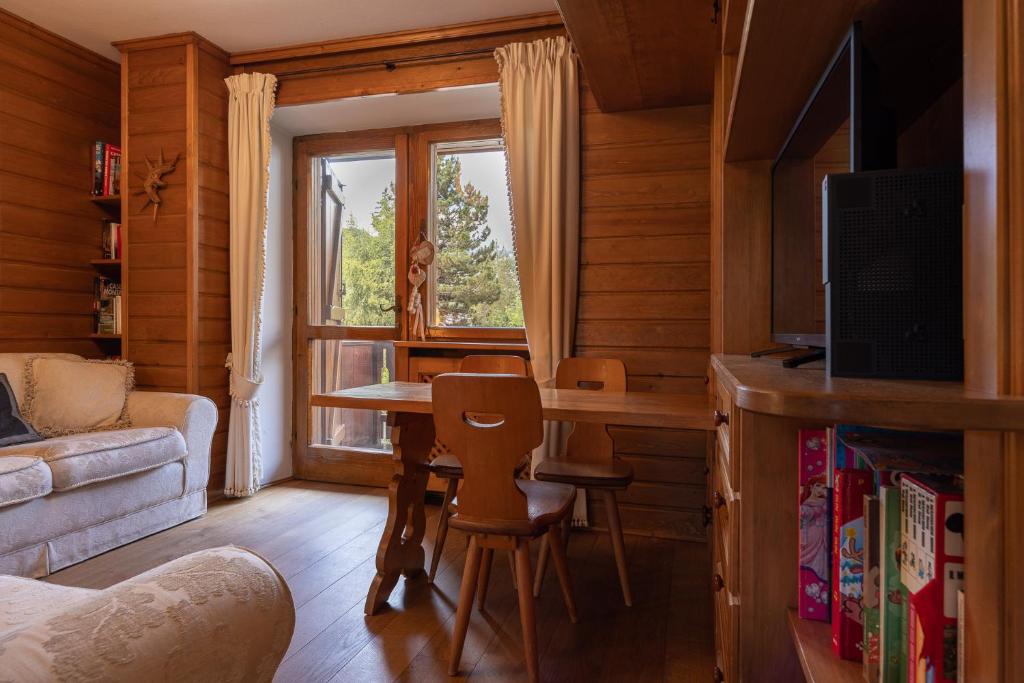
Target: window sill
[{"x": 461, "y": 344}]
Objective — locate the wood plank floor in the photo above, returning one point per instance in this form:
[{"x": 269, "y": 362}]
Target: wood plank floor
[{"x": 323, "y": 538}]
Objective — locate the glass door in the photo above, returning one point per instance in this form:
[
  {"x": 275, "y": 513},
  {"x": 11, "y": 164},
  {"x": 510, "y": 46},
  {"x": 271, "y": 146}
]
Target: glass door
[{"x": 351, "y": 226}]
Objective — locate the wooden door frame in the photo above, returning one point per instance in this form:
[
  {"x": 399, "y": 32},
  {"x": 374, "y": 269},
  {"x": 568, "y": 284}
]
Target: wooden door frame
[{"x": 336, "y": 463}]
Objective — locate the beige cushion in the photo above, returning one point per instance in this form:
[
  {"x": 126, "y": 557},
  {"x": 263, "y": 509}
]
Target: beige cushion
[
  {"x": 73, "y": 396},
  {"x": 13, "y": 365},
  {"x": 82, "y": 459},
  {"x": 23, "y": 478}
]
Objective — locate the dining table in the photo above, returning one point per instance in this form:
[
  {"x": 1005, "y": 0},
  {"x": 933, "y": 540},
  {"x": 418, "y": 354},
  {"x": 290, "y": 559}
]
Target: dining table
[{"x": 409, "y": 414}]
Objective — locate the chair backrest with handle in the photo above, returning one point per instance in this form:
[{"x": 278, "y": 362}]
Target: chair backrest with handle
[
  {"x": 489, "y": 451},
  {"x": 590, "y": 442},
  {"x": 495, "y": 365}
]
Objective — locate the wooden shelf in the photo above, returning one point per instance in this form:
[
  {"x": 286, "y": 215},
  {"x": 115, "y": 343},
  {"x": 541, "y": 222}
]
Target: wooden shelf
[
  {"x": 813, "y": 642},
  {"x": 762, "y": 385},
  {"x": 108, "y": 201},
  {"x": 107, "y": 266},
  {"x": 476, "y": 346},
  {"x": 105, "y": 337}
]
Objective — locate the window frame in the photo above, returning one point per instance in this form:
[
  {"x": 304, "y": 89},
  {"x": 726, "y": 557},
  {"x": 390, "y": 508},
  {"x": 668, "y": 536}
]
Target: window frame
[{"x": 422, "y": 139}]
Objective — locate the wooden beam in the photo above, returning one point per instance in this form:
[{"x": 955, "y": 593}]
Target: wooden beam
[
  {"x": 644, "y": 54},
  {"x": 489, "y": 27}
]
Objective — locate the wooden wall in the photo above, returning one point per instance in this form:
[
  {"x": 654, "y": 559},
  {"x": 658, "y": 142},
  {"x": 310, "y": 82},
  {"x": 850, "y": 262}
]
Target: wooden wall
[
  {"x": 176, "y": 267},
  {"x": 56, "y": 99},
  {"x": 644, "y": 291}
]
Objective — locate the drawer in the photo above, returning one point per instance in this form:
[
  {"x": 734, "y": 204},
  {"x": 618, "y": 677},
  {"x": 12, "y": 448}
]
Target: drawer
[
  {"x": 726, "y": 630},
  {"x": 725, "y": 431},
  {"x": 725, "y": 520}
]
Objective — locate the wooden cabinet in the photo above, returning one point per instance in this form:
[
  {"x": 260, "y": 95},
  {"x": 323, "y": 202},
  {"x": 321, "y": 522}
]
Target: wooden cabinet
[{"x": 754, "y": 510}]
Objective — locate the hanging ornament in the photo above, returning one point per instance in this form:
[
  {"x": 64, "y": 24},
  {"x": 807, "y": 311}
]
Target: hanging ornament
[{"x": 421, "y": 256}]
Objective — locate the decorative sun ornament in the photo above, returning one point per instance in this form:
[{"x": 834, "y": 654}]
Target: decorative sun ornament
[{"x": 152, "y": 182}]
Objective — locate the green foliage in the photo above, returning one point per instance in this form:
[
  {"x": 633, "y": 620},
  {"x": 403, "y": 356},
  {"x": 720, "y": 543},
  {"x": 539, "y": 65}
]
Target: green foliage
[
  {"x": 478, "y": 284},
  {"x": 368, "y": 265}
]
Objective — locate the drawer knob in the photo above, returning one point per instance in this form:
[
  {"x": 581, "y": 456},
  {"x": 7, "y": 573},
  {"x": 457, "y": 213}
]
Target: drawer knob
[
  {"x": 717, "y": 583},
  {"x": 718, "y": 676},
  {"x": 717, "y": 499},
  {"x": 720, "y": 418}
]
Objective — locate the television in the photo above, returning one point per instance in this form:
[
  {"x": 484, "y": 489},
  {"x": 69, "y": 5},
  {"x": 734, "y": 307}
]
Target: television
[{"x": 841, "y": 129}]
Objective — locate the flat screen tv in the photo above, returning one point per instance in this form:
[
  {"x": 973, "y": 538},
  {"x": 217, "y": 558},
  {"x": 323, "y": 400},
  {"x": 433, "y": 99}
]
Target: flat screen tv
[{"x": 841, "y": 129}]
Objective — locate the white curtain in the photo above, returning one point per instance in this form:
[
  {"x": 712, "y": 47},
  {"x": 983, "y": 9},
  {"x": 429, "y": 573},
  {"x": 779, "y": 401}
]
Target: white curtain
[
  {"x": 250, "y": 105},
  {"x": 540, "y": 121}
]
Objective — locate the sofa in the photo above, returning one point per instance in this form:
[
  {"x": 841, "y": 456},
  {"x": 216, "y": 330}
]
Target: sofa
[
  {"x": 223, "y": 614},
  {"x": 71, "y": 497}
]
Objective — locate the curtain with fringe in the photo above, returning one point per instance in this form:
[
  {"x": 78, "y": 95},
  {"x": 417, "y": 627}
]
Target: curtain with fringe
[
  {"x": 540, "y": 122},
  {"x": 250, "y": 105}
]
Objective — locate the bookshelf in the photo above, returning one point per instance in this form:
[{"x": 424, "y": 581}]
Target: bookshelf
[
  {"x": 813, "y": 642},
  {"x": 110, "y": 268}
]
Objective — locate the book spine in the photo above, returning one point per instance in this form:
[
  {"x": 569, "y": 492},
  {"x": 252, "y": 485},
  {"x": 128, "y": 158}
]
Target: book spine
[
  {"x": 870, "y": 599},
  {"x": 106, "y": 169},
  {"x": 891, "y": 631},
  {"x": 815, "y": 526},
  {"x": 848, "y": 562},
  {"x": 97, "y": 168}
]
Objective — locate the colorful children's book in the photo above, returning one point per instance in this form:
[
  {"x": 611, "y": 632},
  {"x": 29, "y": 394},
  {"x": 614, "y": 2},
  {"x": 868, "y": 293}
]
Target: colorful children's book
[
  {"x": 848, "y": 561},
  {"x": 932, "y": 569},
  {"x": 815, "y": 526},
  {"x": 870, "y": 600},
  {"x": 891, "y": 634},
  {"x": 894, "y": 451}
]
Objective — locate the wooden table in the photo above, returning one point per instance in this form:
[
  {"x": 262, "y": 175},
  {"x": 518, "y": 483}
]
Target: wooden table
[{"x": 409, "y": 414}]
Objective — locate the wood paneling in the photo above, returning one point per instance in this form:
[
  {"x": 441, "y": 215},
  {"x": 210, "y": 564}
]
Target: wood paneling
[
  {"x": 177, "y": 265},
  {"x": 644, "y": 291},
  {"x": 644, "y": 54},
  {"x": 56, "y": 99}
]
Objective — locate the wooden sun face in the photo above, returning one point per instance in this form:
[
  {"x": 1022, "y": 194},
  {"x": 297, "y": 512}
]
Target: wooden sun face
[{"x": 153, "y": 182}]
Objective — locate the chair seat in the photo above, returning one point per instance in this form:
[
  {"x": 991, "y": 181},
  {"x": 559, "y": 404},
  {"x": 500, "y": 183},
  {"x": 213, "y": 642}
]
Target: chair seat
[
  {"x": 616, "y": 475},
  {"x": 446, "y": 466},
  {"x": 547, "y": 503}
]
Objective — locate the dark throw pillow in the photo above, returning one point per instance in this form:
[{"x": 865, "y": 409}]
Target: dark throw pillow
[{"x": 13, "y": 428}]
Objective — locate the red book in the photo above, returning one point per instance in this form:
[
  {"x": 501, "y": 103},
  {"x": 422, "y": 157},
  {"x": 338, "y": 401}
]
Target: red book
[
  {"x": 848, "y": 561},
  {"x": 932, "y": 569}
]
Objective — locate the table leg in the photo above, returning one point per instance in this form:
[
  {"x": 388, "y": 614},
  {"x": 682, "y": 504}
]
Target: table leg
[{"x": 401, "y": 546}]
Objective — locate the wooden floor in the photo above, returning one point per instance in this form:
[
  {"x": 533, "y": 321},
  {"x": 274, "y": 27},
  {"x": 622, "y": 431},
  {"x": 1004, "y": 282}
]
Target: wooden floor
[{"x": 323, "y": 538}]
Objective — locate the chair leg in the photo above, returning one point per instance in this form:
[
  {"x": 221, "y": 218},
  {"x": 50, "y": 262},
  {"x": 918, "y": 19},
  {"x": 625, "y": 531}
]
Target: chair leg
[
  {"x": 512, "y": 568},
  {"x": 527, "y": 615},
  {"x": 442, "y": 528},
  {"x": 562, "y": 569},
  {"x": 542, "y": 565},
  {"x": 465, "y": 608},
  {"x": 485, "y": 577},
  {"x": 618, "y": 546}
]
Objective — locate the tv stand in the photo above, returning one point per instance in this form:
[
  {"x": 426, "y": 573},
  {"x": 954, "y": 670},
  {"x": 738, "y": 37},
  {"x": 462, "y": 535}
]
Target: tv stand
[{"x": 809, "y": 355}]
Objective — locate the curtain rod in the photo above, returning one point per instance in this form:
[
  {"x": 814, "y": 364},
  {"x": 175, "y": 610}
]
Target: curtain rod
[{"x": 388, "y": 64}]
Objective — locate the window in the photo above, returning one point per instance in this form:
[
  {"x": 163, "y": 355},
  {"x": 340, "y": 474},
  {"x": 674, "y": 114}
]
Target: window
[
  {"x": 474, "y": 280},
  {"x": 352, "y": 278}
]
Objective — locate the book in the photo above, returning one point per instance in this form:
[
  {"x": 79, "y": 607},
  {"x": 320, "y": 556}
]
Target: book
[
  {"x": 106, "y": 305},
  {"x": 814, "y": 562},
  {"x": 111, "y": 169},
  {"x": 870, "y": 601},
  {"x": 97, "y": 167},
  {"x": 895, "y": 451},
  {"x": 891, "y": 634},
  {"x": 111, "y": 240},
  {"x": 932, "y": 569},
  {"x": 848, "y": 561}
]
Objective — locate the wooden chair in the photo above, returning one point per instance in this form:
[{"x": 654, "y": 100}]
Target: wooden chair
[
  {"x": 491, "y": 422},
  {"x": 446, "y": 466},
  {"x": 589, "y": 461}
]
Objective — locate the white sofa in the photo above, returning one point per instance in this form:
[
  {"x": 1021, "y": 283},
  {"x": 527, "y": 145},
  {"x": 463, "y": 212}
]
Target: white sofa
[
  {"x": 66, "y": 499},
  {"x": 223, "y": 614}
]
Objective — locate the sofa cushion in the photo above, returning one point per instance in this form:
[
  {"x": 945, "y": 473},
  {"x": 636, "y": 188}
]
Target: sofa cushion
[
  {"x": 23, "y": 478},
  {"x": 82, "y": 459},
  {"x": 75, "y": 396},
  {"x": 13, "y": 365}
]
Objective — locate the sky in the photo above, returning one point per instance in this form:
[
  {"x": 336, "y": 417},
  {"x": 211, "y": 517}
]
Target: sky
[{"x": 365, "y": 179}]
